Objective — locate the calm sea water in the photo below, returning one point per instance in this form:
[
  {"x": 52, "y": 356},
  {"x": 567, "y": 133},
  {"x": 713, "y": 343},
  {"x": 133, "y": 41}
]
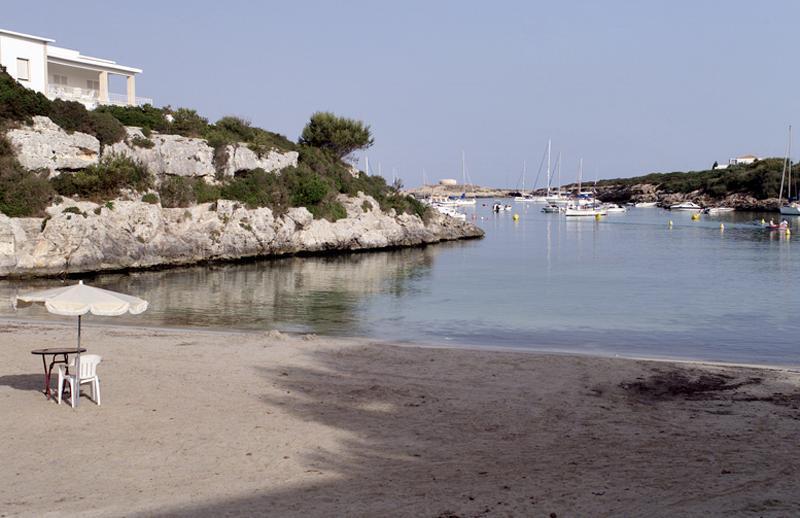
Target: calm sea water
[{"x": 626, "y": 285}]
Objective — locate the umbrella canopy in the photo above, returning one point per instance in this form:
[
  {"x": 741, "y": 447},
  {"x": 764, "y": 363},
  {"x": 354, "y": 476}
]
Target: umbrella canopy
[{"x": 81, "y": 298}]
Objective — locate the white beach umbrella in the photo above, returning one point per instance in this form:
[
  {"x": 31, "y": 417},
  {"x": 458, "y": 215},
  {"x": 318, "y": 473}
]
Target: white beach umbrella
[{"x": 79, "y": 299}]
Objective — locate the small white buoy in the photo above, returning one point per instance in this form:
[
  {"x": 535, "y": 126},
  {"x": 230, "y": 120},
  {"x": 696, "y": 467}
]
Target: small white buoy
[{"x": 669, "y": 224}]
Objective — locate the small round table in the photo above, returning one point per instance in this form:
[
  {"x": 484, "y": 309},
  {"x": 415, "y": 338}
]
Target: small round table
[{"x": 64, "y": 352}]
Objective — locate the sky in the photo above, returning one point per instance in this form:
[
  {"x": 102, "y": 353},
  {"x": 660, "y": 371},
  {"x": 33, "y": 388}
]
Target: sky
[{"x": 630, "y": 87}]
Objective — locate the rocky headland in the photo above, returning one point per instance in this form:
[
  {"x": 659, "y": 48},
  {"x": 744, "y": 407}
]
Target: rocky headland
[{"x": 130, "y": 233}]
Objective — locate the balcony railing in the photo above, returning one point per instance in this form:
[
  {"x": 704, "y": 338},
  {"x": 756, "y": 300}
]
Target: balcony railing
[{"x": 90, "y": 98}]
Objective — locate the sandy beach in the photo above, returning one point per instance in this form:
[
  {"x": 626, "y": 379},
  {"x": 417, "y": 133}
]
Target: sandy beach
[{"x": 201, "y": 423}]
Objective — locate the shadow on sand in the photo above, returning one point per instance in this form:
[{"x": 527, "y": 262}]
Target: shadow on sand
[
  {"x": 418, "y": 450},
  {"x": 33, "y": 382}
]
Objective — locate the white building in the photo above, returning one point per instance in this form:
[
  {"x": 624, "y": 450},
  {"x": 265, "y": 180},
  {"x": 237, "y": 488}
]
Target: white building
[
  {"x": 743, "y": 160},
  {"x": 64, "y": 73}
]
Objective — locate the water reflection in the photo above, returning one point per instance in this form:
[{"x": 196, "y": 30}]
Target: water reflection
[{"x": 314, "y": 294}]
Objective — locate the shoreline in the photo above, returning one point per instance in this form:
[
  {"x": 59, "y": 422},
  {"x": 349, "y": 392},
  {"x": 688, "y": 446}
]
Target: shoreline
[{"x": 406, "y": 344}]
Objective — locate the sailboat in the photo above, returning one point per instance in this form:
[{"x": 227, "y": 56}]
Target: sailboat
[
  {"x": 463, "y": 200},
  {"x": 582, "y": 207},
  {"x": 522, "y": 196},
  {"x": 559, "y": 199},
  {"x": 543, "y": 199},
  {"x": 791, "y": 208}
]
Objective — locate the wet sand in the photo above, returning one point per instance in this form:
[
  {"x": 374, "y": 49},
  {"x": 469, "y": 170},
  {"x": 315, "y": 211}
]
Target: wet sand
[{"x": 199, "y": 423}]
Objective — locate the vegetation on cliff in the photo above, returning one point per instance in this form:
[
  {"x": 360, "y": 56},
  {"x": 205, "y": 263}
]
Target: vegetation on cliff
[
  {"x": 762, "y": 180},
  {"x": 319, "y": 177}
]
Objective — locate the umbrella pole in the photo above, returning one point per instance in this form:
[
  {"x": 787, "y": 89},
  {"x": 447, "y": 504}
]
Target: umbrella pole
[{"x": 76, "y": 393}]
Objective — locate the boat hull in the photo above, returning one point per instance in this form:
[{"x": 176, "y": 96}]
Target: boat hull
[{"x": 790, "y": 210}]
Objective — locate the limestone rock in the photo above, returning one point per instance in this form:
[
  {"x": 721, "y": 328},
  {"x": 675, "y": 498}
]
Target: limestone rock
[
  {"x": 44, "y": 145},
  {"x": 170, "y": 155},
  {"x": 242, "y": 158},
  {"x": 134, "y": 234}
]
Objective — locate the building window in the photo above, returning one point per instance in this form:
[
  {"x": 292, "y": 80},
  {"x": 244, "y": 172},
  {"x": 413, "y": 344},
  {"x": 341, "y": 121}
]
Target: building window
[
  {"x": 92, "y": 85},
  {"x": 58, "y": 79},
  {"x": 23, "y": 70}
]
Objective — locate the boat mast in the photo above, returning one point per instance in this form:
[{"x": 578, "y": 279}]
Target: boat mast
[
  {"x": 789, "y": 177},
  {"x": 787, "y": 161},
  {"x": 366, "y": 165},
  {"x": 580, "y": 176},
  {"x": 559, "y": 174},
  {"x": 548, "y": 167},
  {"x": 524, "y": 170}
]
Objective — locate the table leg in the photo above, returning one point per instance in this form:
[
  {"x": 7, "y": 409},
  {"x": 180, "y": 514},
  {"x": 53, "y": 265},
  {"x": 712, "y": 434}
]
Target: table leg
[{"x": 46, "y": 378}]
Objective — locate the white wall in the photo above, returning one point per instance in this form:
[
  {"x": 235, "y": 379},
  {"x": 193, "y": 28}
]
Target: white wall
[{"x": 12, "y": 47}]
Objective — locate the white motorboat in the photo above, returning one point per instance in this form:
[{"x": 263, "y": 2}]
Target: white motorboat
[
  {"x": 686, "y": 205},
  {"x": 551, "y": 209},
  {"x": 712, "y": 211},
  {"x": 450, "y": 211},
  {"x": 613, "y": 208},
  {"x": 645, "y": 204}
]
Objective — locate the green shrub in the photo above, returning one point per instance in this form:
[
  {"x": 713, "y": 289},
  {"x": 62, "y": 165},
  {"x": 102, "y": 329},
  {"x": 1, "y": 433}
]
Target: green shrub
[
  {"x": 204, "y": 192},
  {"x": 151, "y": 198},
  {"x": 73, "y": 116},
  {"x": 330, "y": 210},
  {"x": 188, "y": 123},
  {"x": 307, "y": 188},
  {"x": 105, "y": 180},
  {"x": 339, "y": 135},
  {"x": 109, "y": 205},
  {"x": 147, "y": 117},
  {"x": 18, "y": 103},
  {"x": 258, "y": 188},
  {"x": 142, "y": 142},
  {"x": 176, "y": 191},
  {"x": 23, "y": 193}
]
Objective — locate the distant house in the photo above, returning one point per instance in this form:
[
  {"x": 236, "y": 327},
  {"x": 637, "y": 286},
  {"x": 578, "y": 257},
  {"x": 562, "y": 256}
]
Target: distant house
[
  {"x": 66, "y": 74},
  {"x": 743, "y": 160}
]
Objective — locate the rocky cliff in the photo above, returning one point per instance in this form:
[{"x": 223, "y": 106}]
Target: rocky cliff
[
  {"x": 44, "y": 145},
  {"x": 131, "y": 234},
  {"x": 81, "y": 236}
]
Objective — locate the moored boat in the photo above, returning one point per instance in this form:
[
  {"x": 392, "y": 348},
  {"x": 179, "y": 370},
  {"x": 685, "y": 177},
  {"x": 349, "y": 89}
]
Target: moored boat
[
  {"x": 613, "y": 208},
  {"x": 791, "y": 207},
  {"x": 718, "y": 210},
  {"x": 645, "y": 204},
  {"x": 686, "y": 205}
]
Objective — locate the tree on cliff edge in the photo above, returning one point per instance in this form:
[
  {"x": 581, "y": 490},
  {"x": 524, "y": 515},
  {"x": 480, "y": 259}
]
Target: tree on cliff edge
[{"x": 340, "y": 135}]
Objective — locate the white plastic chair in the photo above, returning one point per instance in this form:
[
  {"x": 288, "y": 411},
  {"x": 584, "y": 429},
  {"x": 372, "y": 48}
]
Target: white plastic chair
[{"x": 88, "y": 374}]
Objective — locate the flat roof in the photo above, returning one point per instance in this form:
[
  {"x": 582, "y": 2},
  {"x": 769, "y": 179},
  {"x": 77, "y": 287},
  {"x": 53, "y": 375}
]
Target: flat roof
[
  {"x": 73, "y": 56},
  {"x": 28, "y": 36}
]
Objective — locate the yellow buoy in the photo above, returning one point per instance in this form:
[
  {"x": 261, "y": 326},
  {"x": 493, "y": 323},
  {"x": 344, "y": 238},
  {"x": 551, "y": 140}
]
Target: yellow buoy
[
  {"x": 788, "y": 232},
  {"x": 722, "y": 226},
  {"x": 695, "y": 217},
  {"x": 597, "y": 217},
  {"x": 763, "y": 222},
  {"x": 669, "y": 224},
  {"x": 516, "y": 217}
]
